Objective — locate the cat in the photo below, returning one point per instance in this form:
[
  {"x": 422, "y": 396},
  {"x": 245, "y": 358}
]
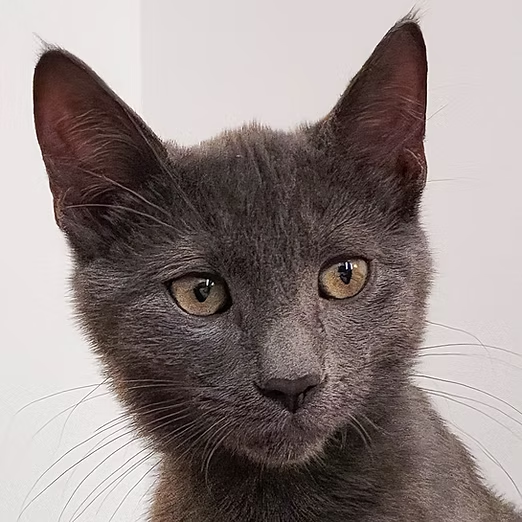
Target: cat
[{"x": 258, "y": 300}]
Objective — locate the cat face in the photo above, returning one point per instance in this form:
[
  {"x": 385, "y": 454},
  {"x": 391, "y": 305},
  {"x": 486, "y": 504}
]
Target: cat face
[{"x": 263, "y": 290}]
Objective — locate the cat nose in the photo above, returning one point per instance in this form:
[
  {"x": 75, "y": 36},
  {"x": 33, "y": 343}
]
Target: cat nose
[{"x": 290, "y": 393}]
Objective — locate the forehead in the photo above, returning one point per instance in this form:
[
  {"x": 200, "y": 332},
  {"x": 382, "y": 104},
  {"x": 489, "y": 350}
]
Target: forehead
[
  {"x": 242, "y": 171},
  {"x": 265, "y": 196},
  {"x": 252, "y": 177}
]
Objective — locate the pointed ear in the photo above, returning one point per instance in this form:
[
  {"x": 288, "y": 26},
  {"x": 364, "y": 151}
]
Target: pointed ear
[
  {"x": 92, "y": 143},
  {"x": 381, "y": 117}
]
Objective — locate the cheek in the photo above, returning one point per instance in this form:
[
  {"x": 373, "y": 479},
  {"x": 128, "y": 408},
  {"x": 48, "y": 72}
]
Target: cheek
[
  {"x": 348, "y": 353},
  {"x": 360, "y": 332},
  {"x": 210, "y": 352},
  {"x": 158, "y": 336}
]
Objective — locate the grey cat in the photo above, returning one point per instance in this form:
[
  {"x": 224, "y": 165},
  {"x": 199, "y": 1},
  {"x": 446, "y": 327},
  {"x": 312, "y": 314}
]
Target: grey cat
[{"x": 258, "y": 300}]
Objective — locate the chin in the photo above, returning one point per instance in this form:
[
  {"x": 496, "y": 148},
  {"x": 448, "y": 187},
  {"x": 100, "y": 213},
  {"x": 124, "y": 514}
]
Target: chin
[
  {"x": 282, "y": 455},
  {"x": 290, "y": 448}
]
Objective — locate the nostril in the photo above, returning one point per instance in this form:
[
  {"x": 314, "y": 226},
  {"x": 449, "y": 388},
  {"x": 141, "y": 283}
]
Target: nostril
[
  {"x": 290, "y": 393},
  {"x": 273, "y": 394}
]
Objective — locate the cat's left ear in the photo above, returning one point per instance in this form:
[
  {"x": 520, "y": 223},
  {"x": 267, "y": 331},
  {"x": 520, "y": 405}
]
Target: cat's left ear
[{"x": 381, "y": 117}]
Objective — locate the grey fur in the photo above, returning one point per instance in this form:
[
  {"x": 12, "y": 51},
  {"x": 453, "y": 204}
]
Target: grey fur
[{"x": 266, "y": 210}]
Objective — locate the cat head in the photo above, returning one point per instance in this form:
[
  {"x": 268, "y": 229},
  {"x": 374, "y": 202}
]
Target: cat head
[{"x": 262, "y": 290}]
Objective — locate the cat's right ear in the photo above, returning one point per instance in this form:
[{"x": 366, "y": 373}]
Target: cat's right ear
[{"x": 94, "y": 146}]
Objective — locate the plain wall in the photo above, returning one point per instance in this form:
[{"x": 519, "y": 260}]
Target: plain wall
[{"x": 192, "y": 69}]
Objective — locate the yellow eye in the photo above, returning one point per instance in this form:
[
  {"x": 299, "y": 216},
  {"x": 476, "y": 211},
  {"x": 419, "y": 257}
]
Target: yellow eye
[
  {"x": 200, "y": 295},
  {"x": 343, "y": 280}
]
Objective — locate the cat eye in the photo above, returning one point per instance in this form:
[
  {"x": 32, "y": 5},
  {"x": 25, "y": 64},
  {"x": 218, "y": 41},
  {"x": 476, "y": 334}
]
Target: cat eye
[
  {"x": 200, "y": 295},
  {"x": 343, "y": 280}
]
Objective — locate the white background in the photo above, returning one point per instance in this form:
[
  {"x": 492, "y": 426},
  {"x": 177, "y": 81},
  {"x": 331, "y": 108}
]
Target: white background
[{"x": 192, "y": 68}]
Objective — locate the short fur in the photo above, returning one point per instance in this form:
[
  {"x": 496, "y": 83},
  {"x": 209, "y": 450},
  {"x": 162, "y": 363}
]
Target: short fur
[{"x": 266, "y": 210}]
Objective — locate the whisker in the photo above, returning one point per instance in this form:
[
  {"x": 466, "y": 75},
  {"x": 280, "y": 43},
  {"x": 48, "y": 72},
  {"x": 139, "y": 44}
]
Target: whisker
[
  {"x": 84, "y": 387},
  {"x": 440, "y": 109},
  {"x": 101, "y": 441},
  {"x": 122, "y": 478},
  {"x": 153, "y": 467},
  {"x": 363, "y": 433},
  {"x": 66, "y": 410},
  {"x": 168, "y": 437},
  {"x": 147, "y": 492},
  {"x": 118, "y": 480},
  {"x": 376, "y": 427},
  {"x": 490, "y": 456},
  {"x": 157, "y": 406},
  {"x": 488, "y": 346},
  {"x": 92, "y": 452},
  {"x": 469, "y": 387},
  {"x": 460, "y": 330},
  {"x": 82, "y": 400},
  {"x": 113, "y": 453},
  {"x": 227, "y": 429},
  {"x": 476, "y": 401},
  {"x": 142, "y": 478},
  {"x": 25, "y": 507},
  {"x": 445, "y": 180},
  {"x": 139, "y": 481},
  {"x": 472, "y": 355},
  {"x": 55, "y": 394},
  {"x": 69, "y": 451},
  {"x": 448, "y": 396},
  {"x": 220, "y": 427}
]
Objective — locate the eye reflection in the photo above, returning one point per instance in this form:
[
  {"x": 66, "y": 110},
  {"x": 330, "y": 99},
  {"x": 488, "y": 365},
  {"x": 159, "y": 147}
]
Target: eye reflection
[
  {"x": 202, "y": 290},
  {"x": 343, "y": 280},
  {"x": 200, "y": 295},
  {"x": 345, "y": 272}
]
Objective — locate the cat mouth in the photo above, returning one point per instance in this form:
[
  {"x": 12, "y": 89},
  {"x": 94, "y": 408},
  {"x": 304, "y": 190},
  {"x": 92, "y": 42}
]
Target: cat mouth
[{"x": 293, "y": 444}]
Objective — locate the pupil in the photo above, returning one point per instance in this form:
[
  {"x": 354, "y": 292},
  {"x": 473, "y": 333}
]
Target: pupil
[
  {"x": 202, "y": 290},
  {"x": 345, "y": 272}
]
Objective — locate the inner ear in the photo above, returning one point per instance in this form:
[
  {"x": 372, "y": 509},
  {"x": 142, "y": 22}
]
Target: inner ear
[
  {"x": 381, "y": 117},
  {"x": 92, "y": 143}
]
